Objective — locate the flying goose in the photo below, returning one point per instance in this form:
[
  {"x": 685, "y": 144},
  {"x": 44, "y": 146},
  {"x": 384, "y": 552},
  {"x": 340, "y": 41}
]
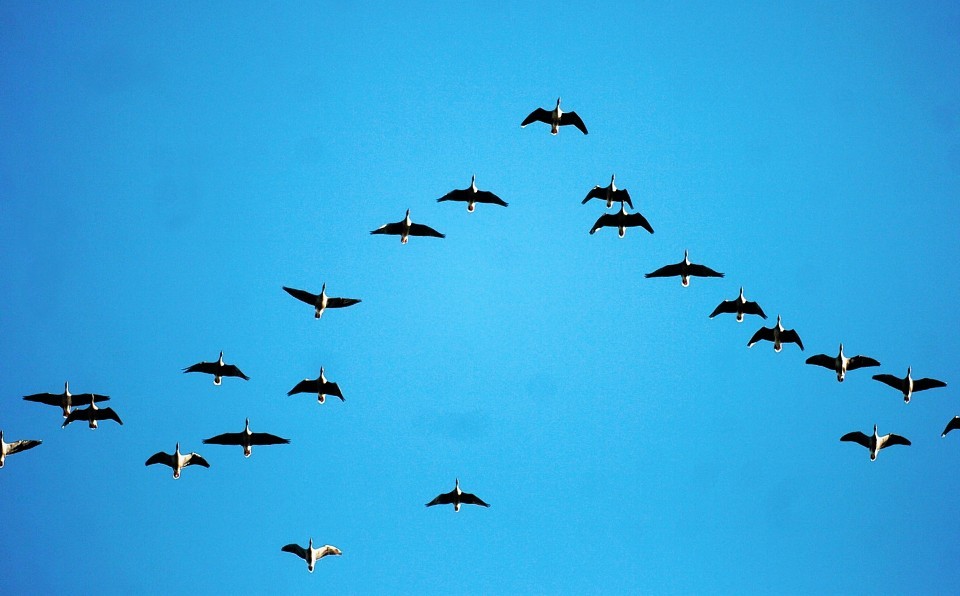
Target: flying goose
[
  {"x": 321, "y": 301},
  {"x": 218, "y": 369},
  {"x": 65, "y": 400},
  {"x": 952, "y": 425},
  {"x": 622, "y": 220},
  {"x": 310, "y": 554},
  {"x": 471, "y": 196},
  {"x": 908, "y": 384},
  {"x": 555, "y": 118},
  {"x": 176, "y": 460},
  {"x": 840, "y": 363},
  {"x": 405, "y": 228},
  {"x": 609, "y": 193},
  {"x": 685, "y": 269},
  {"x": 778, "y": 335},
  {"x": 92, "y": 415},
  {"x": 246, "y": 439},
  {"x": 875, "y": 442},
  {"x": 739, "y": 305},
  {"x": 321, "y": 386},
  {"x": 457, "y": 497},
  {"x": 15, "y": 447}
]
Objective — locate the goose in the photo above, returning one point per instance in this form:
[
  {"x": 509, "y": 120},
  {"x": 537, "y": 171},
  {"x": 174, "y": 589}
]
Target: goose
[
  {"x": 622, "y": 220},
  {"x": 908, "y": 384},
  {"x": 471, "y": 196},
  {"x": 685, "y": 269},
  {"x": 15, "y": 447},
  {"x": 310, "y": 554},
  {"x": 952, "y": 425},
  {"x": 321, "y": 386},
  {"x": 457, "y": 497},
  {"x": 218, "y": 369},
  {"x": 778, "y": 335},
  {"x": 555, "y": 118},
  {"x": 176, "y": 460},
  {"x": 320, "y": 302},
  {"x": 840, "y": 363},
  {"x": 406, "y": 228},
  {"x": 92, "y": 415},
  {"x": 246, "y": 439},
  {"x": 875, "y": 442},
  {"x": 739, "y": 305},
  {"x": 65, "y": 400},
  {"x": 609, "y": 193}
]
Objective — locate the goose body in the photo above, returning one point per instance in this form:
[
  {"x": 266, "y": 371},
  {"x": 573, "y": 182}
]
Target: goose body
[
  {"x": 457, "y": 497},
  {"x": 14, "y": 447},
  {"x": 840, "y": 364},
  {"x": 406, "y": 228},
  {"x": 471, "y": 196},
  {"x": 908, "y": 385},
  {"x": 609, "y": 193},
  {"x": 246, "y": 439},
  {"x": 321, "y": 386},
  {"x": 685, "y": 270},
  {"x": 320, "y": 302},
  {"x": 176, "y": 460},
  {"x": 218, "y": 369},
  {"x": 555, "y": 118},
  {"x": 65, "y": 400},
  {"x": 310, "y": 554},
  {"x": 741, "y": 306},
  {"x": 874, "y": 442},
  {"x": 622, "y": 220},
  {"x": 92, "y": 415},
  {"x": 778, "y": 335}
]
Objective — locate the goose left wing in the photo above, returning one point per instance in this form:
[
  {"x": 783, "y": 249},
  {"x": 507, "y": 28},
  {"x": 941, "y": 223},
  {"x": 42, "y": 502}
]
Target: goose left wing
[
  {"x": 301, "y": 295},
  {"x": 538, "y": 115},
  {"x": 891, "y": 439},
  {"x": 422, "y": 230},
  {"x": 574, "y": 119},
  {"x": 954, "y": 424},
  {"x": 331, "y": 388},
  {"x": 666, "y": 271},
  {"x": 485, "y": 196},
  {"x": 861, "y": 362},
  {"x": 160, "y": 458},
  {"x": 23, "y": 445},
  {"x": 725, "y": 307},
  {"x": 231, "y": 370},
  {"x": 895, "y": 382},
  {"x": 267, "y": 439},
  {"x": 327, "y": 550},
  {"x": 50, "y": 399},
  {"x": 341, "y": 302},
  {"x": 460, "y": 194},
  {"x": 225, "y": 439},
  {"x": 75, "y": 415},
  {"x": 763, "y": 333},
  {"x": 195, "y": 459},
  {"x": 107, "y": 414},
  {"x": 442, "y": 499},
  {"x": 636, "y": 219},
  {"x": 202, "y": 367},
  {"x": 597, "y": 192},
  {"x": 789, "y": 336},
  {"x": 857, "y": 437},
  {"x": 702, "y": 271},
  {"x": 607, "y": 219},
  {"x": 306, "y": 386},
  {"x": 395, "y": 229},
  {"x": 472, "y": 499},
  {"x": 295, "y": 549},
  {"x": 823, "y": 360},
  {"x": 922, "y": 384}
]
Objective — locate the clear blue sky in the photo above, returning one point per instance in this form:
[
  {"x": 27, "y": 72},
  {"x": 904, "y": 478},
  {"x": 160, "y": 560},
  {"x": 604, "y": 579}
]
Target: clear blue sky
[{"x": 166, "y": 168}]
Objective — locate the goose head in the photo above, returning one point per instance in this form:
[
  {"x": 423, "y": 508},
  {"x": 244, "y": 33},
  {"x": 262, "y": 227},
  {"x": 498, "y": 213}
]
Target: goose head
[
  {"x": 875, "y": 433},
  {"x": 456, "y": 485},
  {"x": 841, "y": 349},
  {"x": 741, "y": 294},
  {"x": 220, "y": 359},
  {"x": 246, "y": 426},
  {"x": 473, "y": 183},
  {"x": 613, "y": 179},
  {"x": 66, "y": 388},
  {"x": 908, "y": 372},
  {"x": 686, "y": 257},
  {"x": 323, "y": 288}
]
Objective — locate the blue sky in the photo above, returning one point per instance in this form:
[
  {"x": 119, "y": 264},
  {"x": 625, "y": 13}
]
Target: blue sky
[{"x": 165, "y": 169}]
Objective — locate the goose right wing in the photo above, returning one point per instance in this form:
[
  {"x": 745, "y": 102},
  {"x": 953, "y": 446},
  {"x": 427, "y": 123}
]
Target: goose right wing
[
  {"x": 857, "y": 437},
  {"x": 74, "y": 416},
  {"x": 727, "y": 306},
  {"x": 295, "y": 549},
  {"x": 891, "y": 439},
  {"x": 460, "y": 194},
  {"x": 202, "y": 367},
  {"x": 789, "y": 336},
  {"x": 954, "y": 424},
  {"x": 574, "y": 119},
  {"x": 331, "y": 388},
  {"x": 485, "y": 196},
  {"x": 922, "y": 384},
  {"x": 266, "y": 439},
  {"x": 891, "y": 380},
  {"x": 391, "y": 228},
  {"x": 822, "y": 360},
  {"x": 422, "y": 230},
  {"x": 861, "y": 362},
  {"x": 752, "y": 308},
  {"x": 195, "y": 459},
  {"x": 231, "y": 370},
  {"x": 225, "y": 439},
  {"x": 472, "y": 499},
  {"x": 160, "y": 458},
  {"x": 597, "y": 192},
  {"x": 666, "y": 271},
  {"x": 302, "y": 295},
  {"x": 636, "y": 219},
  {"x": 763, "y": 333},
  {"x": 306, "y": 386},
  {"x": 442, "y": 499},
  {"x": 702, "y": 271},
  {"x": 107, "y": 414},
  {"x": 538, "y": 115},
  {"x": 18, "y": 446},
  {"x": 607, "y": 219},
  {"x": 621, "y": 194},
  {"x": 44, "y": 398},
  {"x": 341, "y": 302}
]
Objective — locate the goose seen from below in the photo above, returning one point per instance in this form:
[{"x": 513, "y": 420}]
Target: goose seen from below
[
  {"x": 65, "y": 400},
  {"x": 406, "y": 228},
  {"x": 874, "y": 442},
  {"x": 622, "y": 220},
  {"x": 320, "y": 302},
  {"x": 92, "y": 415},
  {"x": 457, "y": 497},
  {"x": 320, "y": 386},
  {"x": 685, "y": 269},
  {"x": 908, "y": 385},
  {"x": 954, "y": 424},
  {"x": 471, "y": 196},
  {"x": 15, "y": 447},
  {"x": 778, "y": 335},
  {"x": 840, "y": 364},
  {"x": 218, "y": 369},
  {"x": 739, "y": 305},
  {"x": 609, "y": 193},
  {"x": 177, "y": 461},
  {"x": 555, "y": 118},
  {"x": 246, "y": 439},
  {"x": 310, "y": 554}
]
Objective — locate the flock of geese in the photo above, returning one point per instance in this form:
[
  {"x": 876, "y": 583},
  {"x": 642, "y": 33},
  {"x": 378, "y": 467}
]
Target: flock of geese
[{"x": 83, "y": 406}]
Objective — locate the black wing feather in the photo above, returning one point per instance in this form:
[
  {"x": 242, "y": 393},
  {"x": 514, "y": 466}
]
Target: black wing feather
[
  {"x": 302, "y": 295},
  {"x": 422, "y": 230},
  {"x": 538, "y": 115},
  {"x": 574, "y": 119}
]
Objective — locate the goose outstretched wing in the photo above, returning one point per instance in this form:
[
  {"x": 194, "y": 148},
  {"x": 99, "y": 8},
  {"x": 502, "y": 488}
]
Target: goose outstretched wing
[
  {"x": 422, "y": 230},
  {"x": 231, "y": 370},
  {"x": 597, "y": 192},
  {"x": 752, "y": 308},
  {"x": 605, "y": 220},
  {"x": 922, "y": 384},
  {"x": 160, "y": 458},
  {"x": 22, "y": 445},
  {"x": 306, "y": 386},
  {"x": 895, "y": 382},
  {"x": 861, "y": 362},
  {"x": 459, "y": 194},
  {"x": 195, "y": 459},
  {"x": 267, "y": 439},
  {"x": 857, "y": 437},
  {"x": 395, "y": 228},
  {"x": 485, "y": 196},
  {"x": 302, "y": 295},
  {"x": 632, "y": 220},
  {"x": 891, "y": 439},
  {"x": 203, "y": 367},
  {"x": 331, "y": 388},
  {"x": 51, "y": 399},
  {"x": 538, "y": 115},
  {"x": 952, "y": 425},
  {"x": 666, "y": 271},
  {"x": 295, "y": 549},
  {"x": 762, "y": 334},
  {"x": 472, "y": 499},
  {"x": 622, "y": 195},
  {"x": 106, "y": 414},
  {"x": 341, "y": 302},
  {"x": 789, "y": 336},
  {"x": 822, "y": 360},
  {"x": 701, "y": 270},
  {"x": 574, "y": 119},
  {"x": 443, "y": 499},
  {"x": 226, "y": 439},
  {"x": 727, "y": 306}
]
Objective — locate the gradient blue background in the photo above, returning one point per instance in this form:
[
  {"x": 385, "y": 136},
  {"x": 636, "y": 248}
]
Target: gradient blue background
[{"x": 166, "y": 168}]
